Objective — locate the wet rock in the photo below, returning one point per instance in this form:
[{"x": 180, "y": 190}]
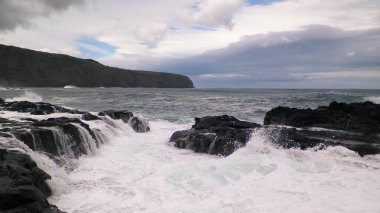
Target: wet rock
[
  {"x": 308, "y": 138},
  {"x": 117, "y": 115},
  {"x": 361, "y": 117},
  {"x": 215, "y": 135},
  {"x": 23, "y": 186},
  {"x": 38, "y": 108},
  {"x": 358, "y": 125},
  {"x": 89, "y": 117},
  {"x": 139, "y": 124}
]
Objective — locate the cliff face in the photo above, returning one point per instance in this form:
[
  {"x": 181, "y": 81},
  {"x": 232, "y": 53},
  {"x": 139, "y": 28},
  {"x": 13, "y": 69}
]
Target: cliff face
[{"x": 27, "y": 68}]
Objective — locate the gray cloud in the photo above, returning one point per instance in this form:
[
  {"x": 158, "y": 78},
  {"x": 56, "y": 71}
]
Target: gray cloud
[
  {"x": 14, "y": 13},
  {"x": 284, "y": 57}
]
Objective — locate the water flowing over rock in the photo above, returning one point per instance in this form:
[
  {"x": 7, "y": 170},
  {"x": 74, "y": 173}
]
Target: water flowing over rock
[
  {"x": 139, "y": 125},
  {"x": 215, "y": 135},
  {"x": 355, "y": 126},
  {"x": 61, "y": 137},
  {"x": 118, "y": 115}
]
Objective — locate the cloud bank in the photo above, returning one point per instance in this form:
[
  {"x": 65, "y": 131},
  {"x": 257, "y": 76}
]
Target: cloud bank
[
  {"x": 14, "y": 13},
  {"x": 313, "y": 53},
  {"x": 219, "y": 43}
]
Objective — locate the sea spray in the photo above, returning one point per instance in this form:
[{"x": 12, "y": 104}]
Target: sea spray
[
  {"x": 141, "y": 172},
  {"x": 27, "y": 96}
]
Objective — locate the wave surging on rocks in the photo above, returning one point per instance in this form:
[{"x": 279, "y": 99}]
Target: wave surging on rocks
[{"x": 61, "y": 134}]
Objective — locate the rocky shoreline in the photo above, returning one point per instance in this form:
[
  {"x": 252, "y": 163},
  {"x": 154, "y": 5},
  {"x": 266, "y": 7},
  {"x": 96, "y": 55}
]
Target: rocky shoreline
[
  {"x": 355, "y": 126},
  {"x": 58, "y": 132},
  {"x": 62, "y": 133}
]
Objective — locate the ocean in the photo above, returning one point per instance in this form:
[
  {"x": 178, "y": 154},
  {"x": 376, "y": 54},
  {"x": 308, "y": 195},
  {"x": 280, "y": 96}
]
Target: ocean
[{"x": 143, "y": 172}]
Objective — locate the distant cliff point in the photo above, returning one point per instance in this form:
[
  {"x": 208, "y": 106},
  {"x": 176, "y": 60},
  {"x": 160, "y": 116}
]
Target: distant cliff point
[{"x": 28, "y": 68}]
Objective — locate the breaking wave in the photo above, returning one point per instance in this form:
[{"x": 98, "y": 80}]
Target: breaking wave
[{"x": 27, "y": 96}]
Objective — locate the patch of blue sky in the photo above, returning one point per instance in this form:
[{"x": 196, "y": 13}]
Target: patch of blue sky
[
  {"x": 90, "y": 47},
  {"x": 149, "y": 45},
  {"x": 204, "y": 27},
  {"x": 262, "y": 2}
]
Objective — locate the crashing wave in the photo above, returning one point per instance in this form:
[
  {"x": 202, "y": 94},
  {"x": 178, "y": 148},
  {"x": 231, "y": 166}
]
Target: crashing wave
[{"x": 27, "y": 96}]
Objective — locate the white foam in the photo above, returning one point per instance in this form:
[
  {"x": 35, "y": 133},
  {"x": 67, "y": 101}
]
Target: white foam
[
  {"x": 374, "y": 99},
  {"x": 70, "y": 87},
  {"x": 137, "y": 172},
  {"x": 27, "y": 96}
]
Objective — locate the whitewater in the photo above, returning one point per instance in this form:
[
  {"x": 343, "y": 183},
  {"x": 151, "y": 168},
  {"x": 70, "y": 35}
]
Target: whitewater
[{"x": 143, "y": 172}]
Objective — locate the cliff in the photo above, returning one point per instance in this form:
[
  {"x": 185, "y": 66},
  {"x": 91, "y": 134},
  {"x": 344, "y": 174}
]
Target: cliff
[{"x": 28, "y": 68}]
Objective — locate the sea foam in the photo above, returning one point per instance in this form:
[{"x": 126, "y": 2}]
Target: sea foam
[
  {"x": 27, "y": 96},
  {"x": 142, "y": 173}
]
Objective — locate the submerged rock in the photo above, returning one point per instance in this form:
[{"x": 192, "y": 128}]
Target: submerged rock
[
  {"x": 139, "y": 124},
  {"x": 23, "y": 187},
  {"x": 89, "y": 117},
  {"x": 118, "y": 115},
  {"x": 215, "y": 135}
]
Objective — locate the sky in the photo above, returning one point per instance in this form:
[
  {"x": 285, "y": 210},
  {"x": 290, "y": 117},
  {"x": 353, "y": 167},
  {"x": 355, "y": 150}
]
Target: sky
[{"x": 217, "y": 43}]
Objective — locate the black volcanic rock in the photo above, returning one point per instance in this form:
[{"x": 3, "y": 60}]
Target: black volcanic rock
[
  {"x": 23, "y": 187},
  {"x": 361, "y": 117},
  {"x": 215, "y": 135},
  {"x": 89, "y": 117},
  {"x": 36, "y": 108},
  {"x": 320, "y": 139},
  {"x": 22, "y": 184},
  {"x": 117, "y": 115},
  {"x": 27, "y": 68},
  {"x": 57, "y": 136},
  {"x": 139, "y": 125},
  {"x": 355, "y": 126}
]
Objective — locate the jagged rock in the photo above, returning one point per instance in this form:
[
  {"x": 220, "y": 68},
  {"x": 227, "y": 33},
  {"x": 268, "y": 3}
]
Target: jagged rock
[
  {"x": 309, "y": 138},
  {"x": 89, "y": 117},
  {"x": 215, "y": 135},
  {"x": 1, "y": 101},
  {"x": 117, "y": 115},
  {"x": 59, "y": 138},
  {"x": 23, "y": 187},
  {"x": 139, "y": 125},
  {"x": 74, "y": 140},
  {"x": 361, "y": 117},
  {"x": 38, "y": 108},
  {"x": 360, "y": 123},
  {"x": 222, "y": 121}
]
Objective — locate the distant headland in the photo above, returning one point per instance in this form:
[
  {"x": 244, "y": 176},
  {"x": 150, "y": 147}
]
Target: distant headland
[{"x": 28, "y": 68}]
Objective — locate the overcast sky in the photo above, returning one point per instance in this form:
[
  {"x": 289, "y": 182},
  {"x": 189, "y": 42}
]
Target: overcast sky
[{"x": 218, "y": 43}]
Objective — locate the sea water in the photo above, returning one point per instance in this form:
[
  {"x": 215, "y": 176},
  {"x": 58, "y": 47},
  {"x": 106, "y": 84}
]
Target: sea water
[{"x": 142, "y": 172}]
